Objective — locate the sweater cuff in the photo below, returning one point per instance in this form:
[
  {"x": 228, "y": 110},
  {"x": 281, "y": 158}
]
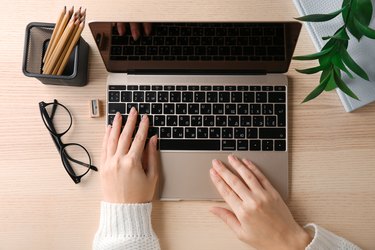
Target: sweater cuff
[
  {"x": 125, "y": 220},
  {"x": 324, "y": 239}
]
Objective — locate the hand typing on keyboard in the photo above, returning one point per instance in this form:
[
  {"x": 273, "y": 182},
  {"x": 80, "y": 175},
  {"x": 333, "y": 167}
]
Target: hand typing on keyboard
[
  {"x": 129, "y": 171},
  {"x": 259, "y": 216},
  {"x": 135, "y": 29}
]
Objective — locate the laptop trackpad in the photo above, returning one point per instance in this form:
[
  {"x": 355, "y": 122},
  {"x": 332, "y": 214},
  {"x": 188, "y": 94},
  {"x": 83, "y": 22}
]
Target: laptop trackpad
[{"x": 185, "y": 175}]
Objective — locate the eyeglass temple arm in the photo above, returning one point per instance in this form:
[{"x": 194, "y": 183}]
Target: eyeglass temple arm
[{"x": 81, "y": 163}]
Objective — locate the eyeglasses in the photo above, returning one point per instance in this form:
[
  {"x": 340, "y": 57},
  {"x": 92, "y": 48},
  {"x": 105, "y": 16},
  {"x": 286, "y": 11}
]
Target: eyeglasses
[{"x": 75, "y": 158}]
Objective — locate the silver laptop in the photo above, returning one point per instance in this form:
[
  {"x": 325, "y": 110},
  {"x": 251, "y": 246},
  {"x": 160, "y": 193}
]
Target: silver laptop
[{"x": 210, "y": 89}]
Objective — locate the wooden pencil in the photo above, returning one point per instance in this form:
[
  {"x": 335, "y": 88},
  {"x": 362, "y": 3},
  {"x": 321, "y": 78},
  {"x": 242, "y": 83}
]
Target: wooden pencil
[
  {"x": 53, "y": 37},
  {"x": 77, "y": 36},
  {"x": 51, "y": 62},
  {"x": 59, "y": 33},
  {"x": 77, "y": 17}
]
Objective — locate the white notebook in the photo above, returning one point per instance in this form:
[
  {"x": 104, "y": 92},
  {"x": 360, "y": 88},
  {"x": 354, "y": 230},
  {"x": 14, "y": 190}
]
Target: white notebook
[{"x": 363, "y": 52}]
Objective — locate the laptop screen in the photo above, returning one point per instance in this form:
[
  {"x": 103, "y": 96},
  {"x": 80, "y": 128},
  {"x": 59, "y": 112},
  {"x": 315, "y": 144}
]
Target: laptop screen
[{"x": 217, "y": 47}]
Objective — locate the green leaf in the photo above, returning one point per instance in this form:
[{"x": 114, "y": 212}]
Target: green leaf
[
  {"x": 367, "y": 31},
  {"x": 313, "y": 56},
  {"x": 320, "y": 17},
  {"x": 339, "y": 35},
  {"x": 317, "y": 91},
  {"x": 352, "y": 65},
  {"x": 360, "y": 9},
  {"x": 311, "y": 70},
  {"x": 344, "y": 87},
  {"x": 331, "y": 84},
  {"x": 336, "y": 60}
]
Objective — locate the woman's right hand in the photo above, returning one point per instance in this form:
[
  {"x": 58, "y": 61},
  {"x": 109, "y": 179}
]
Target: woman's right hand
[
  {"x": 259, "y": 216},
  {"x": 134, "y": 29}
]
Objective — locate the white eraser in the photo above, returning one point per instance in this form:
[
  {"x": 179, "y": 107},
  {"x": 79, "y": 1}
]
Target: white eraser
[{"x": 94, "y": 108}]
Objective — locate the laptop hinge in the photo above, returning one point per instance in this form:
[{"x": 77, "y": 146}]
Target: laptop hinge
[{"x": 194, "y": 72}]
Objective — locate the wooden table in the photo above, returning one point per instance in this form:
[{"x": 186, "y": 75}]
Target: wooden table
[{"x": 332, "y": 153}]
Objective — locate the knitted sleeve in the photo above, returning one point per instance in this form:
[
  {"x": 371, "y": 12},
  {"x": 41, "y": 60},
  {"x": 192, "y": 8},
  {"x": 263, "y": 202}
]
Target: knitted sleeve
[
  {"x": 324, "y": 239},
  {"x": 125, "y": 227}
]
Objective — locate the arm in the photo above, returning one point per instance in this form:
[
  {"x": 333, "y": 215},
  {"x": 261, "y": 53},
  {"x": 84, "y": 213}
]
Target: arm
[
  {"x": 128, "y": 177},
  {"x": 259, "y": 216}
]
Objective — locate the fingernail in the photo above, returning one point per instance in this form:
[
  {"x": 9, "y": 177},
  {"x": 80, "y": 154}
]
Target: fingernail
[
  {"x": 117, "y": 115},
  {"x": 132, "y": 111},
  {"x": 144, "y": 117},
  {"x": 213, "y": 172},
  {"x": 154, "y": 140},
  {"x": 135, "y": 35},
  {"x": 234, "y": 157}
]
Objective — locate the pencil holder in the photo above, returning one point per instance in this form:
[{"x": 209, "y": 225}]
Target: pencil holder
[{"x": 36, "y": 41}]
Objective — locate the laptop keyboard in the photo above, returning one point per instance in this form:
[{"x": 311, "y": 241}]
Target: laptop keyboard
[
  {"x": 202, "y": 42},
  {"x": 207, "y": 117}
]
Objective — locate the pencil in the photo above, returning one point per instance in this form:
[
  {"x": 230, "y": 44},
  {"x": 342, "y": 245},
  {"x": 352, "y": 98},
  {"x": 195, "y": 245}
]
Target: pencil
[
  {"x": 77, "y": 16},
  {"x": 51, "y": 62},
  {"x": 58, "y": 23},
  {"x": 59, "y": 33},
  {"x": 77, "y": 36}
]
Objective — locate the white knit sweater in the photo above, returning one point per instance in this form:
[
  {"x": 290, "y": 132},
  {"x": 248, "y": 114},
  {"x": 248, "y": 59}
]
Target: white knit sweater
[{"x": 128, "y": 227}]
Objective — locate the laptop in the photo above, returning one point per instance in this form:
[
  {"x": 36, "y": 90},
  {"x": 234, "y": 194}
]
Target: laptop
[{"x": 210, "y": 89}]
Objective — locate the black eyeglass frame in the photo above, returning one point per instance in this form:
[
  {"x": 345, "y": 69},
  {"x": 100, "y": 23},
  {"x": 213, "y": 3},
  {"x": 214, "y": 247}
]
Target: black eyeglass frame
[{"x": 56, "y": 137}]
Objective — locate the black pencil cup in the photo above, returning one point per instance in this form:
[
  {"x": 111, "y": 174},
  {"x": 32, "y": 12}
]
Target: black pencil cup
[{"x": 37, "y": 38}]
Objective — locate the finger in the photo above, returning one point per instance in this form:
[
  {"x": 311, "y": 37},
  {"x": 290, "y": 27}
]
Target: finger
[
  {"x": 225, "y": 191},
  {"x": 104, "y": 145},
  {"x": 134, "y": 27},
  {"x": 232, "y": 180},
  {"x": 127, "y": 133},
  {"x": 138, "y": 144},
  {"x": 249, "y": 178},
  {"x": 228, "y": 217},
  {"x": 153, "y": 160},
  {"x": 121, "y": 28},
  {"x": 147, "y": 27},
  {"x": 259, "y": 175},
  {"x": 114, "y": 135}
]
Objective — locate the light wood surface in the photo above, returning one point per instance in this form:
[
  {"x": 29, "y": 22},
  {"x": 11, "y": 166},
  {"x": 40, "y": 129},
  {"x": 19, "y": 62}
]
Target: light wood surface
[{"x": 332, "y": 153}]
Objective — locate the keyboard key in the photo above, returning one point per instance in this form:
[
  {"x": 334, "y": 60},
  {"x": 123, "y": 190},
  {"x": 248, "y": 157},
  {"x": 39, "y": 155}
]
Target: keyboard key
[
  {"x": 184, "y": 120},
  {"x": 187, "y": 96},
  {"x": 193, "y": 108},
  {"x": 156, "y": 108},
  {"x": 267, "y": 145},
  {"x": 242, "y": 145},
  {"x": 165, "y": 132},
  {"x": 132, "y": 87},
  {"x": 208, "y": 120},
  {"x": 218, "y": 109},
  {"x": 163, "y": 97},
  {"x": 138, "y": 96},
  {"x": 129, "y": 106},
  {"x": 145, "y": 87},
  {"x": 224, "y": 96},
  {"x": 153, "y": 131},
  {"x": 202, "y": 132},
  {"x": 267, "y": 109},
  {"x": 280, "y": 145},
  {"x": 172, "y": 120},
  {"x": 280, "y": 111},
  {"x": 276, "y": 97},
  {"x": 159, "y": 120},
  {"x": 206, "y": 109},
  {"x": 261, "y": 96},
  {"x": 242, "y": 109},
  {"x": 212, "y": 96},
  {"x": 239, "y": 133},
  {"x": 258, "y": 121},
  {"x": 196, "y": 144},
  {"x": 190, "y": 132},
  {"x": 215, "y": 133},
  {"x": 254, "y": 109},
  {"x": 272, "y": 133},
  {"x": 144, "y": 108},
  {"x": 236, "y": 97},
  {"x": 181, "y": 108},
  {"x": 199, "y": 96},
  {"x": 270, "y": 121},
  {"x": 175, "y": 96},
  {"x": 227, "y": 133},
  {"x": 251, "y": 133},
  {"x": 150, "y": 96},
  {"x": 178, "y": 132},
  {"x": 114, "y": 96},
  {"x": 233, "y": 121},
  {"x": 228, "y": 145},
  {"x": 196, "y": 120},
  {"x": 221, "y": 121},
  {"x": 245, "y": 121},
  {"x": 254, "y": 145},
  {"x": 230, "y": 109},
  {"x": 280, "y": 88},
  {"x": 157, "y": 87},
  {"x": 168, "y": 108},
  {"x": 169, "y": 87}
]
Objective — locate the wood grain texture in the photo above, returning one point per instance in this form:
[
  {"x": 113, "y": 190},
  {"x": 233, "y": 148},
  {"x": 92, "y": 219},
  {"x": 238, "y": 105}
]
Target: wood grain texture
[{"x": 332, "y": 153}]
